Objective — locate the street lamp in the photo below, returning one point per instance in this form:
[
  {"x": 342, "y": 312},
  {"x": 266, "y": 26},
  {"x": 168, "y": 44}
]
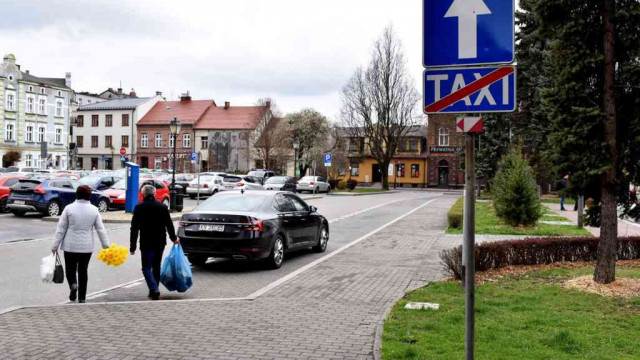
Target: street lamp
[
  {"x": 174, "y": 128},
  {"x": 296, "y": 145}
]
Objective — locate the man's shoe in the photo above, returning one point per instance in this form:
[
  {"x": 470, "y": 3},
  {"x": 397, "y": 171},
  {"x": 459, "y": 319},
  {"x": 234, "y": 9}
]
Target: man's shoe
[
  {"x": 150, "y": 294},
  {"x": 73, "y": 294},
  {"x": 155, "y": 295}
]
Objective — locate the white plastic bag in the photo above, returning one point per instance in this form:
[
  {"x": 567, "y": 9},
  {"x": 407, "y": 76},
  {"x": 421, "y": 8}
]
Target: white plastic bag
[{"x": 47, "y": 267}]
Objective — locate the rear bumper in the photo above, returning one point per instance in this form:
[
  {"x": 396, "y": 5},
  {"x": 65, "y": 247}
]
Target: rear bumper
[
  {"x": 306, "y": 187},
  {"x": 203, "y": 191},
  {"x": 240, "y": 249},
  {"x": 27, "y": 207}
]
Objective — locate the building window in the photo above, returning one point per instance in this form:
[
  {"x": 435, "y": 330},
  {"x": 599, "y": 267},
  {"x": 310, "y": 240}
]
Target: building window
[
  {"x": 355, "y": 169},
  {"x": 186, "y": 140},
  {"x": 94, "y": 141},
  {"x": 28, "y": 160},
  {"x": 59, "y": 93},
  {"x": 58, "y": 135},
  {"x": 171, "y": 140},
  {"x": 42, "y": 106},
  {"x": 400, "y": 170},
  {"x": 204, "y": 142},
  {"x": 94, "y": 120},
  {"x": 107, "y": 141},
  {"x": 415, "y": 170},
  {"x": 443, "y": 137},
  {"x": 108, "y": 120},
  {"x": 11, "y": 101},
  {"x": 9, "y": 131},
  {"x": 80, "y": 121},
  {"x": 31, "y": 104},
  {"x": 80, "y": 163},
  {"x": 413, "y": 145},
  {"x": 80, "y": 101},
  {"x": 30, "y": 131},
  {"x": 79, "y": 141},
  {"x": 125, "y": 141},
  {"x": 125, "y": 119},
  {"x": 144, "y": 140},
  {"x": 158, "y": 163},
  {"x": 89, "y": 101},
  {"x": 41, "y": 90},
  {"x": 30, "y": 88},
  {"x": 158, "y": 140},
  {"x": 59, "y": 108},
  {"x": 41, "y": 132},
  {"x": 354, "y": 144}
]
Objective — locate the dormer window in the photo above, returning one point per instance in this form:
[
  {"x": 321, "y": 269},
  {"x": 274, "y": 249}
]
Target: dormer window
[
  {"x": 30, "y": 88},
  {"x": 59, "y": 93},
  {"x": 10, "y": 77},
  {"x": 41, "y": 90}
]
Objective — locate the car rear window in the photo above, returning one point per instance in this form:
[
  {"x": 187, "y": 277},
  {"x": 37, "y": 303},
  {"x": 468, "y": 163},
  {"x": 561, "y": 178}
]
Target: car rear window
[
  {"x": 232, "y": 179},
  {"x": 276, "y": 180},
  {"x": 233, "y": 202},
  {"x": 27, "y": 184},
  {"x": 308, "y": 178},
  {"x": 256, "y": 173}
]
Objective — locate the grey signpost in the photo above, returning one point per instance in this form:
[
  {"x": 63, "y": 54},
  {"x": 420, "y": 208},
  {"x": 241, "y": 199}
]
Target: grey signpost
[{"x": 459, "y": 35}]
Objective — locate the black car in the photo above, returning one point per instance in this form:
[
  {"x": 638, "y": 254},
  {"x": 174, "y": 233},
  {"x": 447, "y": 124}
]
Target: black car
[{"x": 252, "y": 225}]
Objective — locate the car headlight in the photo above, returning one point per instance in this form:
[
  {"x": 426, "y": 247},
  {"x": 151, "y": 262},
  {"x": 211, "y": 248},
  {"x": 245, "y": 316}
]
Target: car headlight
[{"x": 122, "y": 196}]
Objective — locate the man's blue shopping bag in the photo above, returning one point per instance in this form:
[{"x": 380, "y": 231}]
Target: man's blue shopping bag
[{"x": 176, "y": 271}]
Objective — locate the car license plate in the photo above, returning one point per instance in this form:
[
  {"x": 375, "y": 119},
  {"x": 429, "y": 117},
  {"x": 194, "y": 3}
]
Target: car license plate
[
  {"x": 218, "y": 228},
  {"x": 228, "y": 187},
  {"x": 18, "y": 202}
]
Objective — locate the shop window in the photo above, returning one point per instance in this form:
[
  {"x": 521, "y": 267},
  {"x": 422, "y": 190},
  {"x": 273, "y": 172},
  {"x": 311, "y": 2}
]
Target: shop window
[
  {"x": 355, "y": 169},
  {"x": 400, "y": 170},
  {"x": 415, "y": 170}
]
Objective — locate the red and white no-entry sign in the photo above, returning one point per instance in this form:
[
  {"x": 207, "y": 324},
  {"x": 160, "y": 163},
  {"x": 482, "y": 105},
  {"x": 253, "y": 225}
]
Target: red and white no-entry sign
[{"x": 469, "y": 124}]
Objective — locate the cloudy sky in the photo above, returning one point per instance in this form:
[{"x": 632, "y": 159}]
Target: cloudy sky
[{"x": 298, "y": 52}]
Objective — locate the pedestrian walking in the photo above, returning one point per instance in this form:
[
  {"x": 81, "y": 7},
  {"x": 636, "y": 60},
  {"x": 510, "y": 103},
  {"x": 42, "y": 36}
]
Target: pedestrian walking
[
  {"x": 74, "y": 235},
  {"x": 563, "y": 187},
  {"x": 151, "y": 219}
]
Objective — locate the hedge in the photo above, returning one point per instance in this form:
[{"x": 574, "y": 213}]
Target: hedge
[
  {"x": 535, "y": 251},
  {"x": 454, "y": 215}
]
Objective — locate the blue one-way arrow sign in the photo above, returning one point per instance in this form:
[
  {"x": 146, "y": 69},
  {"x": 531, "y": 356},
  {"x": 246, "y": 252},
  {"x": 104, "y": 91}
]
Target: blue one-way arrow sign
[{"x": 468, "y": 32}]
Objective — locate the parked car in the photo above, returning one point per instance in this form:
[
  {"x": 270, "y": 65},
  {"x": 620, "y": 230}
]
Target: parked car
[
  {"x": 262, "y": 173},
  {"x": 314, "y": 184},
  {"x": 100, "y": 181},
  {"x": 284, "y": 183},
  {"x": 22, "y": 169},
  {"x": 256, "y": 179},
  {"x": 117, "y": 193},
  {"x": 6, "y": 182},
  {"x": 252, "y": 225},
  {"x": 230, "y": 182},
  {"x": 249, "y": 183},
  {"x": 48, "y": 196},
  {"x": 208, "y": 185},
  {"x": 182, "y": 181}
]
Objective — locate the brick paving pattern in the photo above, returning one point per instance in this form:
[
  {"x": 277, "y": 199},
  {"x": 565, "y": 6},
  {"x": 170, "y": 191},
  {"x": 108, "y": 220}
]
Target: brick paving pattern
[{"x": 331, "y": 311}]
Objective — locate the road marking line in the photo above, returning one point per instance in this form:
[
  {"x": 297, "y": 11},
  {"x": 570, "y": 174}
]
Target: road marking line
[
  {"x": 96, "y": 296},
  {"x": 290, "y": 276},
  {"x": 344, "y": 217},
  {"x": 132, "y": 285},
  {"x": 106, "y": 290}
]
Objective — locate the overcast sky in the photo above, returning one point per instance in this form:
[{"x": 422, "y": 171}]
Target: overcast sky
[{"x": 298, "y": 52}]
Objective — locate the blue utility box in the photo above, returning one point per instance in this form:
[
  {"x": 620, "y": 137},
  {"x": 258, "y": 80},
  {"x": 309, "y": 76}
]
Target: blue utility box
[{"x": 133, "y": 182}]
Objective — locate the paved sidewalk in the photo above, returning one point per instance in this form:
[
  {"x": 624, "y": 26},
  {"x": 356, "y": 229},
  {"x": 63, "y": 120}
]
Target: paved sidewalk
[
  {"x": 625, "y": 228},
  {"x": 331, "y": 311}
]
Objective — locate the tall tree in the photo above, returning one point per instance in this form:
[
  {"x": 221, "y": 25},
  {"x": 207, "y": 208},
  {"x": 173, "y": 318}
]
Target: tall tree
[
  {"x": 379, "y": 103},
  {"x": 493, "y": 144},
  {"x": 311, "y": 130},
  {"x": 266, "y": 135}
]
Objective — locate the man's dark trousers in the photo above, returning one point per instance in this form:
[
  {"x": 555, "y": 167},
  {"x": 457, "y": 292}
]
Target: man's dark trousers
[{"x": 151, "y": 262}]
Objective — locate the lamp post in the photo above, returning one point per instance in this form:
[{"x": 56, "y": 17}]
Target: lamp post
[
  {"x": 174, "y": 128},
  {"x": 296, "y": 145}
]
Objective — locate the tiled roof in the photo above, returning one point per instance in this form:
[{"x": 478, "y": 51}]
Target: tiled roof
[
  {"x": 188, "y": 112},
  {"x": 414, "y": 131},
  {"x": 59, "y": 82},
  {"x": 232, "y": 118},
  {"x": 117, "y": 104}
]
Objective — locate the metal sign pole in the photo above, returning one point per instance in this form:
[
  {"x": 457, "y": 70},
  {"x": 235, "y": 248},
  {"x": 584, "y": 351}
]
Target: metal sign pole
[{"x": 469, "y": 244}]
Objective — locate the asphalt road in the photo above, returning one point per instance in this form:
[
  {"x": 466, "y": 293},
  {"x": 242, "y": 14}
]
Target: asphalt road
[{"x": 350, "y": 218}]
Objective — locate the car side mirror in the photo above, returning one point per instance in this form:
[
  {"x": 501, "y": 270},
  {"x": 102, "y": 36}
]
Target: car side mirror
[{"x": 313, "y": 209}]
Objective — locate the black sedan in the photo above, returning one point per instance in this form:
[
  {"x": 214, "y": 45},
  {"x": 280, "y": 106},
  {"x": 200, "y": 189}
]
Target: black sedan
[{"x": 252, "y": 225}]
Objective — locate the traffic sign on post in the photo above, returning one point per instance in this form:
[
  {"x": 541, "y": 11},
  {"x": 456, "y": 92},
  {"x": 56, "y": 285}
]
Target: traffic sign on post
[
  {"x": 328, "y": 159},
  {"x": 123, "y": 151},
  {"x": 469, "y": 124},
  {"x": 194, "y": 157},
  {"x": 468, "y": 32},
  {"x": 470, "y": 90}
]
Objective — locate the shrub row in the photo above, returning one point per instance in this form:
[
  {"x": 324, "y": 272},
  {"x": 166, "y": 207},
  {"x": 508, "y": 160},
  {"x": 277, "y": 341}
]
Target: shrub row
[
  {"x": 454, "y": 215},
  {"x": 535, "y": 251}
]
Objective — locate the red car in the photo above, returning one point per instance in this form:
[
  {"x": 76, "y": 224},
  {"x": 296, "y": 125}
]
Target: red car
[
  {"x": 5, "y": 189},
  {"x": 116, "y": 193}
]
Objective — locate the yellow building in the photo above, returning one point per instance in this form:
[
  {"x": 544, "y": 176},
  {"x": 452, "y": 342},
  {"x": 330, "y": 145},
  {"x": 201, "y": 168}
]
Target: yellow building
[{"x": 408, "y": 167}]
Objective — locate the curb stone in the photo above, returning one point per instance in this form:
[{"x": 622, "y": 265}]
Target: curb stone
[{"x": 363, "y": 194}]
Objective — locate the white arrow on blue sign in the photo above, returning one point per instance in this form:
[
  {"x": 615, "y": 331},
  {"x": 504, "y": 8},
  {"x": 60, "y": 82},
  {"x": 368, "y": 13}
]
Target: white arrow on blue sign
[
  {"x": 468, "y": 32},
  {"x": 194, "y": 156},
  {"x": 470, "y": 90}
]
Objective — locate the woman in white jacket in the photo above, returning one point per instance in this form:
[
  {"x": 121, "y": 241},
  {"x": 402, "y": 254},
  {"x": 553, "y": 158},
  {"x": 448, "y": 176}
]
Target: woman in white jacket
[{"x": 74, "y": 235}]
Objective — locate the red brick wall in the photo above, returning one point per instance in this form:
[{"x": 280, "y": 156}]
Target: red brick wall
[
  {"x": 152, "y": 152},
  {"x": 453, "y": 159}
]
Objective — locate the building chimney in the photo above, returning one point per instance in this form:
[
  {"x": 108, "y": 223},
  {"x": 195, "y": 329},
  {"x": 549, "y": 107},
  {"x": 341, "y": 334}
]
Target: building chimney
[
  {"x": 158, "y": 93},
  {"x": 185, "y": 97},
  {"x": 119, "y": 91},
  {"x": 27, "y": 72},
  {"x": 67, "y": 79},
  {"x": 268, "y": 104},
  {"x": 227, "y": 105},
  {"x": 132, "y": 93}
]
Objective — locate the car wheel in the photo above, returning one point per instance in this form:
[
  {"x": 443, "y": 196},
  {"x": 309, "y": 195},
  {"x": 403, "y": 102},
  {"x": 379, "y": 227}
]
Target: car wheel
[
  {"x": 214, "y": 192},
  {"x": 53, "y": 209},
  {"x": 328, "y": 189},
  {"x": 323, "y": 240},
  {"x": 197, "y": 260},
  {"x": 274, "y": 261},
  {"x": 165, "y": 202},
  {"x": 18, "y": 213},
  {"x": 316, "y": 190},
  {"x": 192, "y": 196},
  {"x": 103, "y": 205},
  {"x": 3, "y": 206}
]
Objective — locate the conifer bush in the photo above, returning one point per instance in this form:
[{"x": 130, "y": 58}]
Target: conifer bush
[{"x": 514, "y": 192}]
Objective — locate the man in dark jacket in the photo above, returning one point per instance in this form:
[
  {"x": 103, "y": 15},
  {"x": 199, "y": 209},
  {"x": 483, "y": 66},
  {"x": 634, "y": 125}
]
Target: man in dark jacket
[{"x": 152, "y": 220}]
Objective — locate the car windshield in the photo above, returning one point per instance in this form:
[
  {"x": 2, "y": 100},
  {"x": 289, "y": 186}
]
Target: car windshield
[
  {"x": 276, "y": 180},
  {"x": 256, "y": 173},
  {"x": 90, "y": 180},
  {"x": 120, "y": 185},
  {"x": 308, "y": 178},
  {"x": 234, "y": 202}
]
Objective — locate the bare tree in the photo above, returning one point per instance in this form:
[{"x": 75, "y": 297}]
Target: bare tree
[
  {"x": 263, "y": 138},
  {"x": 379, "y": 103}
]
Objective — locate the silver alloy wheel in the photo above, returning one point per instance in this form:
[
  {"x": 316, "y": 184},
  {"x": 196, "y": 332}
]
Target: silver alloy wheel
[
  {"x": 324, "y": 238},
  {"x": 103, "y": 206},
  {"x": 278, "y": 252},
  {"x": 53, "y": 209}
]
